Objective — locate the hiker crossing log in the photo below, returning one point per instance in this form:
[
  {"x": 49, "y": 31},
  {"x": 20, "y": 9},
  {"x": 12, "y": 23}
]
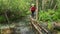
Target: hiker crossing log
[{"x": 37, "y": 26}]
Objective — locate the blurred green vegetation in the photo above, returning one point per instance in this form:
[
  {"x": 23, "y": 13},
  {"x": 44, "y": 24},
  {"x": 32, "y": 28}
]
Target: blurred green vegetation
[
  {"x": 49, "y": 15},
  {"x": 49, "y": 10},
  {"x": 14, "y": 9}
]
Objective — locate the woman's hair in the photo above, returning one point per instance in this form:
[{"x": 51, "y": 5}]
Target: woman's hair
[{"x": 32, "y": 4}]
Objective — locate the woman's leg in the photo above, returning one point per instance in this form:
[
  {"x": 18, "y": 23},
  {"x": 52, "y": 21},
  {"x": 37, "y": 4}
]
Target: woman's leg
[{"x": 32, "y": 13}]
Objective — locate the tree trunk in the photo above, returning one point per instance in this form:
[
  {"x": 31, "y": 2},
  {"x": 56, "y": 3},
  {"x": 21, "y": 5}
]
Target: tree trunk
[
  {"x": 43, "y": 4},
  {"x": 6, "y": 17},
  {"x": 55, "y": 7},
  {"x": 51, "y": 3},
  {"x": 36, "y": 9}
]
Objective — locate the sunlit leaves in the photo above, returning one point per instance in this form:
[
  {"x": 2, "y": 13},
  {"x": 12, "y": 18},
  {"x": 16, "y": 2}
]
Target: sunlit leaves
[
  {"x": 50, "y": 26},
  {"x": 58, "y": 3},
  {"x": 49, "y": 15}
]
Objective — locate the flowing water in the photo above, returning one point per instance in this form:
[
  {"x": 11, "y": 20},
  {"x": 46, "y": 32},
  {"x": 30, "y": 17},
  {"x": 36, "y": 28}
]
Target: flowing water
[{"x": 24, "y": 27}]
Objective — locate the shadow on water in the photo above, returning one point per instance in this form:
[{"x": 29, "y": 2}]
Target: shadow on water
[{"x": 23, "y": 29}]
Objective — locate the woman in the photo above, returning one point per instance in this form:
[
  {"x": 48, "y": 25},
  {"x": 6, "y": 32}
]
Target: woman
[{"x": 32, "y": 9}]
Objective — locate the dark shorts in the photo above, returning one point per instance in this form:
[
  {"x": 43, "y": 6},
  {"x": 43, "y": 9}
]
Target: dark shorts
[{"x": 32, "y": 13}]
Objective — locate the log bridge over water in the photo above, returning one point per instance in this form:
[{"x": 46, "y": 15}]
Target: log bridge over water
[{"x": 37, "y": 26}]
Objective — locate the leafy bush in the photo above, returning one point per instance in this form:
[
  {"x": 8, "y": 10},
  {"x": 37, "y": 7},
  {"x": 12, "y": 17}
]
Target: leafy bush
[
  {"x": 49, "y": 15},
  {"x": 2, "y": 19},
  {"x": 50, "y": 26},
  {"x": 15, "y": 9}
]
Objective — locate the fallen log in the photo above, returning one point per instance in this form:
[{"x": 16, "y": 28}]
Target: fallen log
[
  {"x": 35, "y": 26},
  {"x": 38, "y": 26},
  {"x": 57, "y": 26}
]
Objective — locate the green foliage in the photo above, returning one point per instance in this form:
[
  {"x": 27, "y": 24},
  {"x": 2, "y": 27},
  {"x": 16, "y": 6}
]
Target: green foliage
[
  {"x": 50, "y": 25},
  {"x": 58, "y": 3},
  {"x": 14, "y": 8},
  {"x": 49, "y": 15},
  {"x": 2, "y": 19}
]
